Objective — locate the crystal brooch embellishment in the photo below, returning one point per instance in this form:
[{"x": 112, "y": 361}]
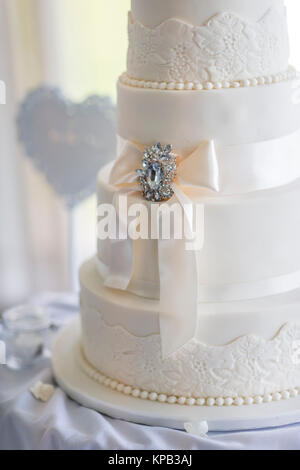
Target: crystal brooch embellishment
[{"x": 158, "y": 173}]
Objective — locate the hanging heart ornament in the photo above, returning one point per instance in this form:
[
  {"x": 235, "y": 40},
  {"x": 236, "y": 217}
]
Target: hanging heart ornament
[{"x": 68, "y": 142}]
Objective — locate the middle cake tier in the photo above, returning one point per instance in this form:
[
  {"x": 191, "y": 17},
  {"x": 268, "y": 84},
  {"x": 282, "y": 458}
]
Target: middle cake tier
[
  {"x": 247, "y": 180},
  {"x": 251, "y": 244},
  {"x": 230, "y": 116}
]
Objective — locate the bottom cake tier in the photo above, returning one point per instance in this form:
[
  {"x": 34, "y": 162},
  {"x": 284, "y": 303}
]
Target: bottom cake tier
[{"x": 243, "y": 353}]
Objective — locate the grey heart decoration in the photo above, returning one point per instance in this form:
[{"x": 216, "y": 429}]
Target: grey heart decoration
[{"x": 67, "y": 142}]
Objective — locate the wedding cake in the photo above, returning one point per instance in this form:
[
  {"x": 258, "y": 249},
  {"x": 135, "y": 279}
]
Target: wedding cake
[{"x": 208, "y": 119}]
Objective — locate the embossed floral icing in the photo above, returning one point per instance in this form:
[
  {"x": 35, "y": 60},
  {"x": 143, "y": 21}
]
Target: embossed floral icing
[
  {"x": 227, "y": 47},
  {"x": 250, "y": 366}
]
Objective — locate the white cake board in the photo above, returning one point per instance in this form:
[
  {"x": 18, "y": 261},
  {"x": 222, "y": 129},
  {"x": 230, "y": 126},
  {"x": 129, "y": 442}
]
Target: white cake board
[{"x": 89, "y": 393}]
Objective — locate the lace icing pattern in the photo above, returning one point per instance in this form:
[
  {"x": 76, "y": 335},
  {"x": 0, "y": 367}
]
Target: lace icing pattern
[
  {"x": 227, "y": 47},
  {"x": 249, "y": 366}
]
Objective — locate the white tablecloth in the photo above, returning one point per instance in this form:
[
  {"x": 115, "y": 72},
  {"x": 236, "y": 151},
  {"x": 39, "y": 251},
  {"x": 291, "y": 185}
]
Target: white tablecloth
[{"x": 63, "y": 424}]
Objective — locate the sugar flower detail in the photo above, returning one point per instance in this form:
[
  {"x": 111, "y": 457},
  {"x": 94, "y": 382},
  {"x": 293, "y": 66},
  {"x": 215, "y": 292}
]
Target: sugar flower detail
[
  {"x": 42, "y": 392},
  {"x": 198, "y": 428},
  {"x": 158, "y": 173}
]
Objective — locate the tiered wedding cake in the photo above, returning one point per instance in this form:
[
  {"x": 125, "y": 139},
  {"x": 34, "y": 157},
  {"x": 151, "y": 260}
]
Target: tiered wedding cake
[{"x": 218, "y": 324}]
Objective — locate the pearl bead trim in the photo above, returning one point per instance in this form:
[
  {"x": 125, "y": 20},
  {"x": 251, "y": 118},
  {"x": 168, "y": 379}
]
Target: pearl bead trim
[
  {"x": 290, "y": 74},
  {"x": 91, "y": 372}
]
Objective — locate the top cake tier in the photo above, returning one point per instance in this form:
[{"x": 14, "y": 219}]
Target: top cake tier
[{"x": 207, "y": 40}]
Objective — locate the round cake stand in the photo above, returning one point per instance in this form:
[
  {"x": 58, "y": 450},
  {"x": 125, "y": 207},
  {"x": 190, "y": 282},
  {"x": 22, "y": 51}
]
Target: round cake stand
[{"x": 89, "y": 393}]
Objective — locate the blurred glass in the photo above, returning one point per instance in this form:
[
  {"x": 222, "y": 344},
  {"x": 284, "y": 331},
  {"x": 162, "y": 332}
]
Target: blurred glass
[{"x": 25, "y": 332}]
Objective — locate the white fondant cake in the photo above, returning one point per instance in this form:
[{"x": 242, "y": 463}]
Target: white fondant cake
[
  {"x": 220, "y": 325},
  {"x": 226, "y": 46},
  {"x": 121, "y": 340}
]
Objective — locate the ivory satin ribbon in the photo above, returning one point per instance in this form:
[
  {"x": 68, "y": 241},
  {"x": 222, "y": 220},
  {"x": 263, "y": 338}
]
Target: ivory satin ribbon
[
  {"x": 259, "y": 166},
  {"x": 254, "y": 166},
  {"x": 177, "y": 266},
  {"x": 221, "y": 293}
]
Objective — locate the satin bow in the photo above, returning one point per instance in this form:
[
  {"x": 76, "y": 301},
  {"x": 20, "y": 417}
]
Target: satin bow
[{"x": 178, "y": 310}]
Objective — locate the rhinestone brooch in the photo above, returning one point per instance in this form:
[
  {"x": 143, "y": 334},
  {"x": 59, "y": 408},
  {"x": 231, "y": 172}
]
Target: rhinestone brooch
[{"x": 158, "y": 173}]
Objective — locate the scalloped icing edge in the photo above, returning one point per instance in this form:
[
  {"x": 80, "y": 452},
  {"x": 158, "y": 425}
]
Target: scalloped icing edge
[
  {"x": 95, "y": 375},
  {"x": 290, "y": 74}
]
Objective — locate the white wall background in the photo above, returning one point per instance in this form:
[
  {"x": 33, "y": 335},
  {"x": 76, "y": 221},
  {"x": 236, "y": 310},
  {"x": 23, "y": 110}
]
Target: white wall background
[{"x": 14, "y": 259}]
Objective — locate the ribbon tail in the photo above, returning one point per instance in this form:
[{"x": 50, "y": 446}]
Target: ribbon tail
[
  {"x": 121, "y": 266},
  {"x": 178, "y": 286}
]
